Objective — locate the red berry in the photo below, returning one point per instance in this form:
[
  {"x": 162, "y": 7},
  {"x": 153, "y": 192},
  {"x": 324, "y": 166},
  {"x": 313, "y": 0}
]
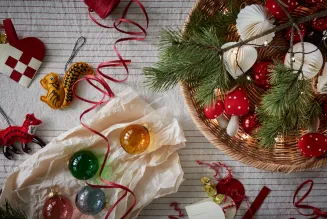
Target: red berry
[
  {"x": 276, "y": 11},
  {"x": 261, "y": 74},
  {"x": 250, "y": 122},
  {"x": 296, "y": 39},
  {"x": 319, "y": 24}
]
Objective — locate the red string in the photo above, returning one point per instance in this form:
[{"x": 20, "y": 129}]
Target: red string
[
  {"x": 177, "y": 209},
  {"x": 216, "y": 167},
  {"x": 316, "y": 212},
  {"x": 107, "y": 93}
]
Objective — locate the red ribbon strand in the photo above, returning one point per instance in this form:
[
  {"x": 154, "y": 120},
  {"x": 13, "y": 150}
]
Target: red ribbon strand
[
  {"x": 216, "y": 167},
  {"x": 316, "y": 212},
  {"x": 98, "y": 82}
]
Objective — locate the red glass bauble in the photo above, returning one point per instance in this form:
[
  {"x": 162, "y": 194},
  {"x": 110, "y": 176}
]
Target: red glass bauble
[
  {"x": 250, "y": 122},
  {"x": 276, "y": 11},
  {"x": 319, "y": 24},
  {"x": 324, "y": 108},
  {"x": 312, "y": 3},
  {"x": 261, "y": 74},
  {"x": 296, "y": 39},
  {"x": 232, "y": 188},
  {"x": 57, "y": 207}
]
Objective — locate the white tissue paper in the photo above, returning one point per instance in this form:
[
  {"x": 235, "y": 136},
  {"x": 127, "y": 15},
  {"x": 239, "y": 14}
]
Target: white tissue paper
[{"x": 155, "y": 173}]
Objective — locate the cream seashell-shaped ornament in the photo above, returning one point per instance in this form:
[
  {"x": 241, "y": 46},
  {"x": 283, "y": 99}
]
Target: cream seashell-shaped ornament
[
  {"x": 253, "y": 20},
  {"x": 239, "y": 60},
  {"x": 313, "y": 60}
]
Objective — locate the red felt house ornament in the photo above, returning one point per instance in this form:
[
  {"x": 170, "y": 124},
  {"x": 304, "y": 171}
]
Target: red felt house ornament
[{"x": 20, "y": 59}]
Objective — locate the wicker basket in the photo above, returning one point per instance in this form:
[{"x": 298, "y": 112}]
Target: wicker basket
[{"x": 284, "y": 157}]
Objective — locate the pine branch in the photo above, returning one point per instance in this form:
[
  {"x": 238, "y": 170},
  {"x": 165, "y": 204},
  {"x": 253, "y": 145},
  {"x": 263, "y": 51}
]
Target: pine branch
[
  {"x": 8, "y": 212},
  {"x": 289, "y": 105}
]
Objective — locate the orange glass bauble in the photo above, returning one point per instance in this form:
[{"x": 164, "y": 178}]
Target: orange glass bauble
[{"x": 135, "y": 139}]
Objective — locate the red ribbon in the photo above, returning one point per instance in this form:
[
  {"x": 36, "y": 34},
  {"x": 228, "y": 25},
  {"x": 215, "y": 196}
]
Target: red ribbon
[
  {"x": 316, "y": 212},
  {"x": 216, "y": 167},
  {"x": 100, "y": 77},
  {"x": 257, "y": 203},
  {"x": 177, "y": 209}
]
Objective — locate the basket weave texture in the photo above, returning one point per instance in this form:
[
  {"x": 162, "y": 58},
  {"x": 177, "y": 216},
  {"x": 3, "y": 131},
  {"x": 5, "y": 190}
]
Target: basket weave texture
[{"x": 284, "y": 157}]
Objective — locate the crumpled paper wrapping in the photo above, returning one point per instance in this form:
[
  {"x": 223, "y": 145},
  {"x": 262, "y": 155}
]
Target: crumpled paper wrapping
[{"x": 155, "y": 173}]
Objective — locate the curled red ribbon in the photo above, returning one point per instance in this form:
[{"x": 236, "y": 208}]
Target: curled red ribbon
[
  {"x": 107, "y": 93},
  {"x": 316, "y": 212},
  {"x": 216, "y": 167}
]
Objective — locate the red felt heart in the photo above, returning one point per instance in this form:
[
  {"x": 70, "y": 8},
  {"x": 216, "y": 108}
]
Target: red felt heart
[{"x": 20, "y": 59}]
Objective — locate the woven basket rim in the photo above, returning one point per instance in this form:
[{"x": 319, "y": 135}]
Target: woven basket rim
[{"x": 310, "y": 164}]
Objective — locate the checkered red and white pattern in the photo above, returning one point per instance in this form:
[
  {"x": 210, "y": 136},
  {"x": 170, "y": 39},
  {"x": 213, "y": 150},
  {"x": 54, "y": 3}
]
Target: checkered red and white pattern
[{"x": 19, "y": 66}]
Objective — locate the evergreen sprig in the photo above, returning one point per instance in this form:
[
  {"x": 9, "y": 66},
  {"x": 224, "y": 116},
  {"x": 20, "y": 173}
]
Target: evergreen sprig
[
  {"x": 289, "y": 104},
  {"x": 192, "y": 56},
  {"x": 8, "y": 212}
]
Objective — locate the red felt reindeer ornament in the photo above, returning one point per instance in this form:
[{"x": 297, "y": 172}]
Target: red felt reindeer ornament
[{"x": 24, "y": 134}]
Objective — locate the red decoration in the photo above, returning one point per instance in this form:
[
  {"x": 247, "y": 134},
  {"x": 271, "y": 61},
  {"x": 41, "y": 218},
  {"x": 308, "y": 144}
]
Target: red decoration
[
  {"x": 102, "y": 8},
  {"x": 319, "y": 24},
  {"x": 214, "y": 110},
  {"x": 261, "y": 73},
  {"x": 316, "y": 212},
  {"x": 21, "y": 58},
  {"x": 296, "y": 39},
  {"x": 237, "y": 103},
  {"x": 257, "y": 203},
  {"x": 250, "y": 122},
  {"x": 311, "y": 3},
  {"x": 232, "y": 188},
  {"x": 276, "y": 11},
  {"x": 324, "y": 108},
  {"x": 24, "y": 134},
  {"x": 57, "y": 207},
  {"x": 313, "y": 144}
]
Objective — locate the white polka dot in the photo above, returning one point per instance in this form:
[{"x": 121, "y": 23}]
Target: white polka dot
[
  {"x": 316, "y": 139},
  {"x": 215, "y": 116},
  {"x": 248, "y": 107},
  {"x": 244, "y": 98},
  {"x": 273, "y": 6},
  {"x": 310, "y": 155},
  {"x": 277, "y": 12},
  {"x": 320, "y": 150},
  {"x": 239, "y": 107},
  {"x": 219, "y": 104},
  {"x": 228, "y": 106},
  {"x": 206, "y": 109},
  {"x": 308, "y": 146},
  {"x": 288, "y": 1},
  {"x": 325, "y": 140},
  {"x": 229, "y": 97},
  {"x": 301, "y": 139},
  {"x": 234, "y": 97},
  {"x": 292, "y": 3},
  {"x": 310, "y": 136},
  {"x": 239, "y": 88}
]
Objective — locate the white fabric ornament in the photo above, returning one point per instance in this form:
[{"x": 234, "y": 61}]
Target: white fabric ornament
[
  {"x": 245, "y": 56},
  {"x": 322, "y": 81},
  {"x": 313, "y": 60},
  {"x": 253, "y": 20}
]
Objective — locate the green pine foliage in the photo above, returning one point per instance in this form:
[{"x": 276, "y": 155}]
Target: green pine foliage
[
  {"x": 192, "y": 56},
  {"x": 290, "y": 104},
  {"x": 8, "y": 212}
]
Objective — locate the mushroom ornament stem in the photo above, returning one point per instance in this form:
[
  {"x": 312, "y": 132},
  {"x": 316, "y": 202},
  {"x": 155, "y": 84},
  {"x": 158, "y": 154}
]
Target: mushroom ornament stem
[
  {"x": 236, "y": 104},
  {"x": 222, "y": 121},
  {"x": 233, "y": 126}
]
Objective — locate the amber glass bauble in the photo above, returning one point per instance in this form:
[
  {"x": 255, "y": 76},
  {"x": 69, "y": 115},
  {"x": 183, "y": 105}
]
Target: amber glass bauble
[
  {"x": 57, "y": 207},
  {"x": 135, "y": 139}
]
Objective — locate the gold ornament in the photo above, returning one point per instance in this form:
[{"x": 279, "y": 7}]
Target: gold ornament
[
  {"x": 219, "y": 198},
  {"x": 210, "y": 189},
  {"x": 205, "y": 180},
  {"x": 3, "y": 38},
  {"x": 135, "y": 139}
]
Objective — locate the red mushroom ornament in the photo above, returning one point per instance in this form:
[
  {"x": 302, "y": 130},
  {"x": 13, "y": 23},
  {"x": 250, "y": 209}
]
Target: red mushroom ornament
[
  {"x": 236, "y": 104},
  {"x": 313, "y": 144},
  {"x": 215, "y": 111},
  {"x": 277, "y": 11}
]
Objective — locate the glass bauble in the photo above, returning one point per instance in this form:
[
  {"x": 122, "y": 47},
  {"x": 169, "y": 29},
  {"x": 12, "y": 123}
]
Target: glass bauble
[
  {"x": 90, "y": 201},
  {"x": 57, "y": 207},
  {"x": 135, "y": 139},
  {"x": 83, "y": 165}
]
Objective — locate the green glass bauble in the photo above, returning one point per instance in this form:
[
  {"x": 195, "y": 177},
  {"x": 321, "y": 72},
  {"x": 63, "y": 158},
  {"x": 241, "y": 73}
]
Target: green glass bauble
[{"x": 83, "y": 165}]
